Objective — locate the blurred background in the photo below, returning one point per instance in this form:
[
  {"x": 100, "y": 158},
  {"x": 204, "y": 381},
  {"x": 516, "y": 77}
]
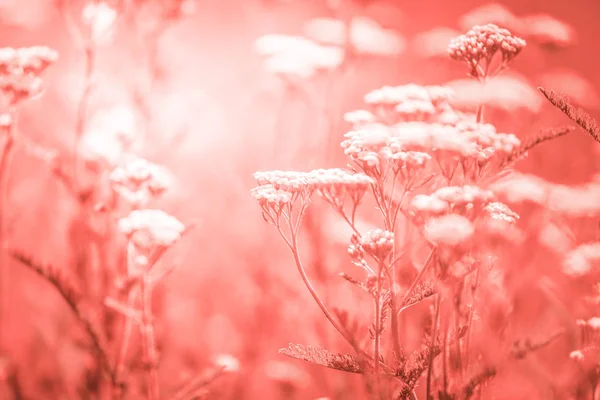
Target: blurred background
[{"x": 186, "y": 80}]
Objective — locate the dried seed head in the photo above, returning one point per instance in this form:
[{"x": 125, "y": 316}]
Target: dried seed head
[{"x": 151, "y": 229}]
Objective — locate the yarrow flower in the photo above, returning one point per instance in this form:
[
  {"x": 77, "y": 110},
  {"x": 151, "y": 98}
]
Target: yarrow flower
[
  {"x": 26, "y": 60},
  {"x": 448, "y": 230},
  {"x": 467, "y": 195},
  {"x": 501, "y": 212},
  {"x": 151, "y": 229},
  {"x": 228, "y": 362},
  {"x": 334, "y": 184},
  {"x": 139, "y": 180},
  {"x": 100, "y": 18},
  {"x": 410, "y": 102},
  {"x": 20, "y": 69},
  {"x": 297, "y": 55},
  {"x": 378, "y": 243},
  {"x": 581, "y": 260},
  {"x": 481, "y": 43}
]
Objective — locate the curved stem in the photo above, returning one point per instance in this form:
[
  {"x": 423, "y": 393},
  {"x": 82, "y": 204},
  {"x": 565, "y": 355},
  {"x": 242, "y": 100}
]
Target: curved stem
[
  {"x": 432, "y": 347},
  {"x": 4, "y": 272},
  {"x": 412, "y": 287},
  {"x": 149, "y": 340},
  {"x": 313, "y": 292},
  {"x": 82, "y": 110}
]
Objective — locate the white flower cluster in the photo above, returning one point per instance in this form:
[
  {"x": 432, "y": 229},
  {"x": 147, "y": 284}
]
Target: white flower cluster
[
  {"x": 297, "y": 55},
  {"x": 501, "y": 212},
  {"x": 448, "y": 230},
  {"x": 451, "y": 199},
  {"x": 377, "y": 242},
  {"x": 151, "y": 229},
  {"x": 482, "y": 42},
  {"x": 138, "y": 181},
  {"x": 277, "y": 188},
  {"x": 20, "y": 69},
  {"x": 419, "y": 123},
  {"x": 100, "y": 19},
  {"x": 582, "y": 259}
]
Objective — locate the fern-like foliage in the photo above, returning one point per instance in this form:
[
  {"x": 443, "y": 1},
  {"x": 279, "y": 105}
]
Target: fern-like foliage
[
  {"x": 576, "y": 114},
  {"x": 73, "y": 298},
  {"x": 320, "y": 356},
  {"x": 544, "y": 136}
]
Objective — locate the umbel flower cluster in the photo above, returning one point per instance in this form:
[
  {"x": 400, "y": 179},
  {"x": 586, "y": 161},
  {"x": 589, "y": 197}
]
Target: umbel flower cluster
[
  {"x": 20, "y": 71},
  {"x": 421, "y": 163}
]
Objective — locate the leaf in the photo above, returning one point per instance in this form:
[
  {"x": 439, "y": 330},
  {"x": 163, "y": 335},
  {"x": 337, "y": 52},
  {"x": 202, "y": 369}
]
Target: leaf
[
  {"x": 576, "y": 114},
  {"x": 320, "y": 356}
]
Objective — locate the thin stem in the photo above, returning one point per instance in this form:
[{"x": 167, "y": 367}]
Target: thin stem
[
  {"x": 149, "y": 340},
  {"x": 432, "y": 346},
  {"x": 197, "y": 382},
  {"x": 4, "y": 271},
  {"x": 125, "y": 339},
  {"x": 470, "y": 318},
  {"x": 377, "y": 344},
  {"x": 412, "y": 287},
  {"x": 294, "y": 247},
  {"x": 82, "y": 110}
]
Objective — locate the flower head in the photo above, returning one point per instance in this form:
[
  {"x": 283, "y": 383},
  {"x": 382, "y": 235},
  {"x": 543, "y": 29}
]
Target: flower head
[
  {"x": 481, "y": 43},
  {"x": 378, "y": 243},
  {"x": 151, "y": 229},
  {"x": 139, "y": 180},
  {"x": 449, "y": 230}
]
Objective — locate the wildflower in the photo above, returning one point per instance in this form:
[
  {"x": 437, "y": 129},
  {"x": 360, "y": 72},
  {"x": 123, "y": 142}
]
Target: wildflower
[
  {"x": 576, "y": 355},
  {"x": 519, "y": 188},
  {"x": 26, "y": 60},
  {"x": 17, "y": 88},
  {"x": 548, "y": 30},
  {"x": 501, "y": 212},
  {"x": 449, "y": 230},
  {"x": 139, "y": 180},
  {"x": 289, "y": 181},
  {"x": 582, "y": 259},
  {"x": 481, "y": 43},
  {"x": 335, "y": 185},
  {"x": 429, "y": 205},
  {"x": 228, "y": 362},
  {"x": 151, "y": 229},
  {"x": 426, "y": 96},
  {"x": 100, "y": 18},
  {"x": 297, "y": 55},
  {"x": 464, "y": 195},
  {"x": 378, "y": 243},
  {"x": 359, "y": 118},
  {"x": 366, "y": 36},
  {"x": 271, "y": 200},
  {"x": 6, "y": 121}
]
